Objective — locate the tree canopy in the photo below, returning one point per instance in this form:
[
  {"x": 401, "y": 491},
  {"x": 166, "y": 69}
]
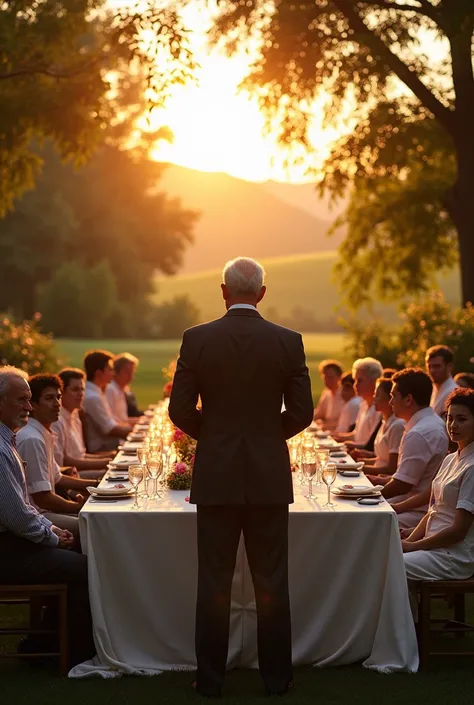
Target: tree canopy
[
  {"x": 412, "y": 117},
  {"x": 57, "y": 64}
]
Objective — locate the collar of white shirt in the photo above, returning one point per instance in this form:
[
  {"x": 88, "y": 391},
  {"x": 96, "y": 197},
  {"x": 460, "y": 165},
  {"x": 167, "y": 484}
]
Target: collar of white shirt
[
  {"x": 421, "y": 414},
  {"x": 468, "y": 450},
  {"x": 94, "y": 388},
  {"x": 249, "y": 306}
]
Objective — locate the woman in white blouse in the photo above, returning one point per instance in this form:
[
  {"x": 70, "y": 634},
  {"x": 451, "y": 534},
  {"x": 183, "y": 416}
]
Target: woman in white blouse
[
  {"x": 441, "y": 547},
  {"x": 384, "y": 459}
]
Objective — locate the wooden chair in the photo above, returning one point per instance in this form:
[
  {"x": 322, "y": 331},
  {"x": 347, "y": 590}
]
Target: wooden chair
[
  {"x": 455, "y": 592},
  {"x": 34, "y": 595}
]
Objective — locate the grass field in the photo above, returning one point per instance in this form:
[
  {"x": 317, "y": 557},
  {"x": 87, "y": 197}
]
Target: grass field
[
  {"x": 447, "y": 681},
  {"x": 154, "y": 355},
  {"x": 304, "y": 281}
]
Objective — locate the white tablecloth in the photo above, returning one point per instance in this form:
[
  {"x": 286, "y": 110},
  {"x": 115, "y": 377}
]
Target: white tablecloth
[{"x": 348, "y": 589}]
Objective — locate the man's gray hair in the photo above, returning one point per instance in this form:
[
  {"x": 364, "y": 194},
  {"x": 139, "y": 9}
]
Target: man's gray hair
[
  {"x": 124, "y": 359},
  {"x": 369, "y": 365},
  {"x": 7, "y": 374},
  {"x": 243, "y": 276}
]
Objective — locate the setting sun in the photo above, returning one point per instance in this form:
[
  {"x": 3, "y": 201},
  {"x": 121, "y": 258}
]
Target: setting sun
[{"x": 218, "y": 128}]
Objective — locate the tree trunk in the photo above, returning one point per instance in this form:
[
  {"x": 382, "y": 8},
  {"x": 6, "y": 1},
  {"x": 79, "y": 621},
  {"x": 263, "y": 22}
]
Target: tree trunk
[{"x": 460, "y": 203}]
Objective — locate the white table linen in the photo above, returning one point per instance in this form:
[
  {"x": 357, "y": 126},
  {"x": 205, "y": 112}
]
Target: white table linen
[{"x": 348, "y": 590}]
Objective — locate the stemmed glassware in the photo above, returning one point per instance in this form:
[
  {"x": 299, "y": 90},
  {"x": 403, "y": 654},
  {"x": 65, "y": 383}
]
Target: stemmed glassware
[
  {"x": 143, "y": 455},
  {"x": 329, "y": 476},
  {"x": 309, "y": 467},
  {"x": 323, "y": 457},
  {"x": 155, "y": 468},
  {"x": 135, "y": 476}
]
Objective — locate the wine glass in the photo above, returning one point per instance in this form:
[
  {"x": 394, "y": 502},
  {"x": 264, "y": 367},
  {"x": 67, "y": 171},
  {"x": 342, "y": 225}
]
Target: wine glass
[
  {"x": 323, "y": 457},
  {"x": 309, "y": 467},
  {"x": 155, "y": 468},
  {"x": 329, "y": 476},
  {"x": 143, "y": 455},
  {"x": 135, "y": 476}
]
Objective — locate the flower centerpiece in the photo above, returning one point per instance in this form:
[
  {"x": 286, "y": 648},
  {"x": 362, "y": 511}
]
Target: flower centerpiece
[
  {"x": 184, "y": 445},
  {"x": 180, "y": 477}
]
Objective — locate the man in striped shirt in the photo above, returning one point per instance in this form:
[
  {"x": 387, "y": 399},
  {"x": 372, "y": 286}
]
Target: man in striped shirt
[{"x": 32, "y": 549}]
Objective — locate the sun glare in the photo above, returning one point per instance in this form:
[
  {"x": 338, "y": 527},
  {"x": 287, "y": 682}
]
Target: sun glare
[{"x": 218, "y": 128}]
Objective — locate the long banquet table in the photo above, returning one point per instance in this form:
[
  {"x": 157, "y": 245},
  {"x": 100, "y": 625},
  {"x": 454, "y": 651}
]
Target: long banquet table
[{"x": 348, "y": 589}]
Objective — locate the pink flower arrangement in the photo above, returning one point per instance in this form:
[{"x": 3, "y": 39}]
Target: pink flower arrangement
[
  {"x": 178, "y": 435},
  {"x": 180, "y": 477},
  {"x": 180, "y": 468}
]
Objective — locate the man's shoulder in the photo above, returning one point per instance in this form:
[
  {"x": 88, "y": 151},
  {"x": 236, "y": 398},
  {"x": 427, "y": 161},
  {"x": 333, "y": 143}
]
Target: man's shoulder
[
  {"x": 202, "y": 330},
  {"x": 29, "y": 433}
]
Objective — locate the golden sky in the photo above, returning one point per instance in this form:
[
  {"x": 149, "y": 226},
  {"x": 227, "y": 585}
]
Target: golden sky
[{"x": 218, "y": 128}]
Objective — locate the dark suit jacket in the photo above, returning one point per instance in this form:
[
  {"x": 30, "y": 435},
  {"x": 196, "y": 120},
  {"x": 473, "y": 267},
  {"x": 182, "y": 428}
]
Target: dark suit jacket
[{"x": 242, "y": 367}]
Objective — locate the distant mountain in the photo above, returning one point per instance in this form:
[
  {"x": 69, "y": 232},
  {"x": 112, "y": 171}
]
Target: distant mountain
[
  {"x": 243, "y": 218},
  {"x": 305, "y": 197}
]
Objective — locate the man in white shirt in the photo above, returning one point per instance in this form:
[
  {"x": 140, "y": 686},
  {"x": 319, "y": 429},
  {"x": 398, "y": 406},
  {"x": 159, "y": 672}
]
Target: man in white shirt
[
  {"x": 125, "y": 365},
  {"x": 36, "y": 443},
  {"x": 103, "y": 430},
  {"x": 330, "y": 402},
  {"x": 70, "y": 446},
  {"x": 423, "y": 448},
  {"x": 366, "y": 372},
  {"x": 439, "y": 362},
  {"x": 352, "y": 402}
]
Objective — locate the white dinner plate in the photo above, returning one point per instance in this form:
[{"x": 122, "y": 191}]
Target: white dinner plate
[
  {"x": 357, "y": 490},
  {"x": 116, "y": 491},
  {"x": 122, "y": 464}
]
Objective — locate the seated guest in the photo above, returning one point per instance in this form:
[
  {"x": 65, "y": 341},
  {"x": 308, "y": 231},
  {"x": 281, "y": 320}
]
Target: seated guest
[
  {"x": 133, "y": 410},
  {"x": 464, "y": 380},
  {"x": 366, "y": 372},
  {"x": 36, "y": 443},
  {"x": 439, "y": 364},
  {"x": 384, "y": 459},
  {"x": 70, "y": 448},
  {"x": 330, "y": 402},
  {"x": 351, "y": 406},
  {"x": 103, "y": 430},
  {"x": 32, "y": 549},
  {"x": 424, "y": 446},
  {"x": 442, "y": 545},
  {"x": 116, "y": 392}
]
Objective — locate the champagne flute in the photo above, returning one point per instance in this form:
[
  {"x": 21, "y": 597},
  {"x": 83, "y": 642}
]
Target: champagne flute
[
  {"x": 309, "y": 467},
  {"x": 323, "y": 457},
  {"x": 329, "y": 476},
  {"x": 143, "y": 455},
  {"x": 155, "y": 468},
  {"x": 135, "y": 476}
]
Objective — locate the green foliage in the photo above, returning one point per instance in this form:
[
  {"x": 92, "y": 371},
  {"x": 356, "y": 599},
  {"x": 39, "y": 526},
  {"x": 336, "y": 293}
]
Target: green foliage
[
  {"x": 431, "y": 321},
  {"x": 24, "y": 346},
  {"x": 78, "y": 301},
  {"x": 410, "y": 156},
  {"x": 56, "y": 62},
  {"x": 108, "y": 210},
  {"x": 170, "y": 318},
  {"x": 399, "y": 233}
]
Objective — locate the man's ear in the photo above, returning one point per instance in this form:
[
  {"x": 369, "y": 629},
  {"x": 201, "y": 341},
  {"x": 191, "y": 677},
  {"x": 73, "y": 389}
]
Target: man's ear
[
  {"x": 261, "y": 294},
  {"x": 225, "y": 292}
]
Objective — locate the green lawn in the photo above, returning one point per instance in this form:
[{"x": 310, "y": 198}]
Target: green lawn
[
  {"x": 444, "y": 683},
  {"x": 154, "y": 355},
  {"x": 305, "y": 281}
]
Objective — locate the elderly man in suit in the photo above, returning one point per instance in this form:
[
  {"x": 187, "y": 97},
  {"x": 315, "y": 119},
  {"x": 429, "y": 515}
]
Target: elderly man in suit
[{"x": 242, "y": 367}]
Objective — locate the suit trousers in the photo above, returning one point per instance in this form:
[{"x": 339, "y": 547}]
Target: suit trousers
[
  {"x": 25, "y": 562},
  {"x": 265, "y": 530}
]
